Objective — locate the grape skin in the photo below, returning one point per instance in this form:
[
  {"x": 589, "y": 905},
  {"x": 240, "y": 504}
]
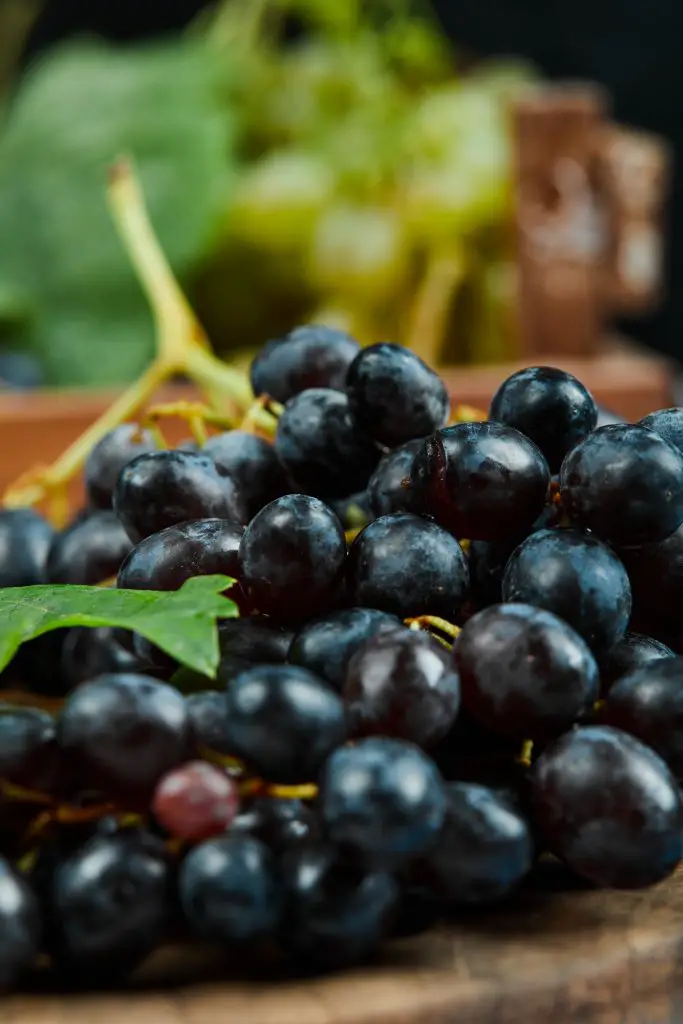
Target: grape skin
[
  {"x": 389, "y": 487},
  {"x": 89, "y": 552},
  {"x": 608, "y": 806},
  {"x": 577, "y": 578},
  {"x": 634, "y": 651},
  {"x": 311, "y": 356},
  {"x": 106, "y": 460},
  {"x": 29, "y": 755},
  {"x": 648, "y": 703},
  {"x": 326, "y": 645},
  {"x": 195, "y": 800},
  {"x": 252, "y": 463},
  {"x": 668, "y": 423},
  {"x": 407, "y": 566},
  {"x": 25, "y": 542},
  {"x": 19, "y": 926},
  {"x": 281, "y": 823},
  {"x": 165, "y": 560},
  {"x": 483, "y": 481}
]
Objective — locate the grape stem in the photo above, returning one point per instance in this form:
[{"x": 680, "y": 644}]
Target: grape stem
[{"x": 182, "y": 347}]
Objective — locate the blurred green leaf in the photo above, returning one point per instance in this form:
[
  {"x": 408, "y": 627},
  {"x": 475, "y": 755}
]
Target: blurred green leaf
[{"x": 80, "y": 108}]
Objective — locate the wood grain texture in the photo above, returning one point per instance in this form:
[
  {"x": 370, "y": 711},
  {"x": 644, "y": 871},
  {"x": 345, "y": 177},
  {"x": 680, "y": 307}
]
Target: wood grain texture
[{"x": 559, "y": 954}]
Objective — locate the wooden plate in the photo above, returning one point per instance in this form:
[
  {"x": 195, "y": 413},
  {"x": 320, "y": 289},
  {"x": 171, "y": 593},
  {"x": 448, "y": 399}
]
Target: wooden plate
[{"x": 558, "y": 954}]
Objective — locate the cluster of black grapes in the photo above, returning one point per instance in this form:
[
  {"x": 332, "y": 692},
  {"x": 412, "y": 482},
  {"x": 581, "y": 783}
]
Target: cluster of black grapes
[{"x": 351, "y": 761}]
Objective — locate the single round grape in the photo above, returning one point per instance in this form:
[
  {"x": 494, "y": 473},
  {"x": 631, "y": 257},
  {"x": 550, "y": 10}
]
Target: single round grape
[
  {"x": 280, "y": 823},
  {"x": 283, "y": 721},
  {"x": 89, "y": 552},
  {"x": 668, "y": 423},
  {"x": 292, "y": 557},
  {"x": 229, "y": 889},
  {"x": 325, "y": 646},
  {"x": 25, "y": 541},
  {"x": 407, "y": 566},
  {"x": 633, "y": 651},
  {"x": 394, "y": 395},
  {"x": 656, "y": 574},
  {"x": 169, "y": 487},
  {"x": 29, "y": 755},
  {"x": 19, "y": 926},
  {"x": 311, "y": 356},
  {"x": 122, "y": 732},
  {"x": 402, "y": 684},
  {"x": 207, "y": 713},
  {"x": 165, "y": 560},
  {"x": 106, "y": 460},
  {"x": 625, "y": 485},
  {"x": 110, "y": 906},
  {"x": 321, "y": 445},
  {"x": 648, "y": 703},
  {"x": 91, "y": 652},
  {"x": 382, "y": 802},
  {"x": 389, "y": 488},
  {"x": 336, "y": 915},
  {"x": 576, "y": 577},
  {"x": 550, "y": 406},
  {"x": 609, "y": 807},
  {"x": 524, "y": 672},
  {"x": 483, "y": 851},
  {"x": 252, "y": 463},
  {"x": 195, "y": 800},
  {"x": 483, "y": 481}
]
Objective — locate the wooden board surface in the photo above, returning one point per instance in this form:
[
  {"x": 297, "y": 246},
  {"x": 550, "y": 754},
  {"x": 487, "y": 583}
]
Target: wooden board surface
[{"x": 557, "y": 955}]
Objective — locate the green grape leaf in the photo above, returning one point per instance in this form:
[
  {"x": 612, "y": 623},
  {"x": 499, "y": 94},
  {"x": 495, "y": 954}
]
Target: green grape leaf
[
  {"x": 182, "y": 622},
  {"x": 77, "y": 110}
]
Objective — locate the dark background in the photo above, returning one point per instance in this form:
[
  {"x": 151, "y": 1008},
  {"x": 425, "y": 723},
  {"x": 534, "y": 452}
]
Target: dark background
[{"x": 633, "y": 47}]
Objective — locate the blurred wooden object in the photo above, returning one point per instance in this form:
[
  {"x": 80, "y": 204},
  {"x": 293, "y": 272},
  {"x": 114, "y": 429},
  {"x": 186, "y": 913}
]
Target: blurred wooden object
[
  {"x": 589, "y": 233},
  {"x": 37, "y": 427}
]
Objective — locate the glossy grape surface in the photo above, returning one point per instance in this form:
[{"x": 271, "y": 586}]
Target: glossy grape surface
[
  {"x": 648, "y": 703},
  {"x": 524, "y": 672},
  {"x": 92, "y": 652},
  {"x": 634, "y": 651},
  {"x": 549, "y": 406},
  {"x": 382, "y": 802},
  {"x": 252, "y": 463},
  {"x": 169, "y": 487},
  {"x": 19, "y": 926},
  {"x": 625, "y": 484},
  {"x": 389, "y": 487},
  {"x": 281, "y": 823},
  {"x": 408, "y": 566},
  {"x": 608, "y": 806},
  {"x": 577, "y": 578},
  {"x": 325, "y": 646},
  {"x": 310, "y": 356},
  {"x": 29, "y": 755},
  {"x": 106, "y": 460},
  {"x": 207, "y": 713},
  {"x": 89, "y": 552},
  {"x": 394, "y": 396},
  {"x": 195, "y": 800},
  {"x": 292, "y": 557},
  {"x": 25, "y": 541},
  {"x": 668, "y": 423},
  {"x": 321, "y": 445},
  {"x": 166, "y": 559},
  {"x": 283, "y": 721},
  {"x": 402, "y": 684},
  {"x": 483, "y": 481}
]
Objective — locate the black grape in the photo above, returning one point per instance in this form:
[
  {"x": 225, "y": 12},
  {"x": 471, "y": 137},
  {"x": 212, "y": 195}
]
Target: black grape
[
  {"x": 403, "y": 684},
  {"x": 484, "y": 850},
  {"x": 25, "y": 541},
  {"x": 550, "y": 406},
  {"x": 252, "y": 463},
  {"x": 110, "y": 906},
  {"x": 394, "y": 395},
  {"x": 335, "y": 915},
  {"x": 122, "y": 732},
  {"x": 229, "y": 889},
  {"x": 19, "y": 926},
  {"x": 656, "y": 574},
  {"x": 648, "y": 703},
  {"x": 207, "y": 712},
  {"x": 633, "y": 651},
  {"x": 524, "y": 672},
  {"x": 382, "y": 802},
  {"x": 281, "y": 823},
  {"x": 88, "y": 653},
  {"x": 326, "y": 645},
  {"x": 169, "y": 487},
  {"x": 625, "y": 484},
  {"x": 576, "y": 577},
  {"x": 106, "y": 460},
  {"x": 292, "y": 557},
  {"x": 609, "y": 807},
  {"x": 256, "y": 640},
  {"x": 29, "y": 755},
  {"x": 89, "y": 552},
  {"x": 668, "y": 423},
  {"x": 321, "y": 445},
  {"x": 311, "y": 356},
  {"x": 283, "y": 721},
  {"x": 407, "y": 566},
  {"x": 165, "y": 560},
  {"x": 389, "y": 488},
  {"x": 483, "y": 481}
]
